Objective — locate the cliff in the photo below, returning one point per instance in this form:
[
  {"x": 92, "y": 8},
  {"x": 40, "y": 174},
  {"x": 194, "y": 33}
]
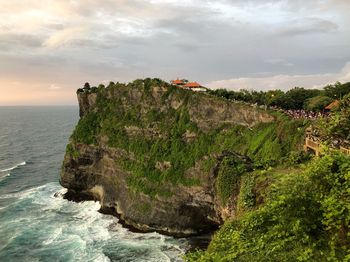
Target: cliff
[{"x": 165, "y": 159}]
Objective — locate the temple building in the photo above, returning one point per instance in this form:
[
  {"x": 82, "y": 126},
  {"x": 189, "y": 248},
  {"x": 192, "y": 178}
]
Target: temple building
[
  {"x": 178, "y": 82},
  {"x": 333, "y": 105},
  {"x": 194, "y": 86}
]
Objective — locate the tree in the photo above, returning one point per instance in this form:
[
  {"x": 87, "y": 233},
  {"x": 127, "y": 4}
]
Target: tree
[
  {"x": 86, "y": 86},
  {"x": 111, "y": 84},
  {"x": 296, "y": 97},
  {"x": 317, "y": 103},
  {"x": 338, "y": 124},
  {"x": 272, "y": 97},
  {"x": 338, "y": 90}
]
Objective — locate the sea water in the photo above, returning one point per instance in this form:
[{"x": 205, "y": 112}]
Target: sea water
[{"x": 37, "y": 226}]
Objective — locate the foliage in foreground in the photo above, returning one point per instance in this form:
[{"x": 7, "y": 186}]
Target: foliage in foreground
[{"x": 306, "y": 218}]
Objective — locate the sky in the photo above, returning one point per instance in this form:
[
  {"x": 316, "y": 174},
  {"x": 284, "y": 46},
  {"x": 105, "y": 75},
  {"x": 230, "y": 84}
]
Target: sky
[{"x": 49, "y": 48}]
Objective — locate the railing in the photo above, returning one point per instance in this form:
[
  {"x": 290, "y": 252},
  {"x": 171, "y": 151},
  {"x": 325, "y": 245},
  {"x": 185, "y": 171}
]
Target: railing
[
  {"x": 313, "y": 145},
  {"x": 345, "y": 150}
]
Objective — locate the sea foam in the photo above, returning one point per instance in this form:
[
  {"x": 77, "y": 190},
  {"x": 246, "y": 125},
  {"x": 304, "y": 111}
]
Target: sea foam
[
  {"x": 4, "y": 177},
  {"x": 14, "y": 167}
]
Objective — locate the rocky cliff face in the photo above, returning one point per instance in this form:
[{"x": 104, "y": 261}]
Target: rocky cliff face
[
  {"x": 96, "y": 174},
  {"x": 151, "y": 153}
]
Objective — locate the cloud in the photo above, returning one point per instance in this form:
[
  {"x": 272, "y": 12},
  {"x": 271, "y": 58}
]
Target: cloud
[
  {"x": 283, "y": 82},
  {"x": 278, "y": 62},
  {"x": 308, "y": 25},
  {"x": 72, "y": 42},
  {"x": 54, "y": 87},
  {"x": 8, "y": 40},
  {"x": 64, "y": 36}
]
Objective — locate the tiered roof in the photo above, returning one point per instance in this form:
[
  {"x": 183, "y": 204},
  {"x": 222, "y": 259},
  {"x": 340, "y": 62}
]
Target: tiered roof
[
  {"x": 192, "y": 85},
  {"x": 177, "y": 82},
  {"x": 332, "y": 105}
]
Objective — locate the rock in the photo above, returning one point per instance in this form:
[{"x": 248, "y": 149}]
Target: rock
[
  {"x": 189, "y": 136},
  {"x": 188, "y": 211},
  {"x": 87, "y": 102},
  {"x": 162, "y": 166}
]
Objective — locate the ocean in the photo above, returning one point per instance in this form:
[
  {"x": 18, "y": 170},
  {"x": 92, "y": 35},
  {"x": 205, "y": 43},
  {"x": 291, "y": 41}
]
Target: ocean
[{"x": 37, "y": 226}]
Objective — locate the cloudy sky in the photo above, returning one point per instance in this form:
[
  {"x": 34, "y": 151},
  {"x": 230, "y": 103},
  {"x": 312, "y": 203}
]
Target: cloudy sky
[{"x": 49, "y": 48}]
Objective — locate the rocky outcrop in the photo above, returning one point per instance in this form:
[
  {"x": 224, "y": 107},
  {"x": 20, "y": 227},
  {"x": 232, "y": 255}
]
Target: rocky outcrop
[
  {"x": 95, "y": 174},
  {"x": 95, "y": 171},
  {"x": 209, "y": 112},
  {"x": 87, "y": 102}
]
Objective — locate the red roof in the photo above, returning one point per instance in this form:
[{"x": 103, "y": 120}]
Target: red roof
[
  {"x": 177, "y": 82},
  {"x": 193, "y": 84},
  {"x": 332, "y": 105}
]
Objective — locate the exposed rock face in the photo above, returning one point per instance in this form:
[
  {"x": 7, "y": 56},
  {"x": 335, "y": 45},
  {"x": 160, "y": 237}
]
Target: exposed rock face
[
  {"x": 95, "y": 171},
  {"x": 86, "y": 102},
  {"x": 209, "y": 112}
]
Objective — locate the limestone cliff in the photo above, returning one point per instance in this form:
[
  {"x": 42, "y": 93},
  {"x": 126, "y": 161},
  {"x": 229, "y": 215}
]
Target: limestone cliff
[{"x": 152, "y": 153}]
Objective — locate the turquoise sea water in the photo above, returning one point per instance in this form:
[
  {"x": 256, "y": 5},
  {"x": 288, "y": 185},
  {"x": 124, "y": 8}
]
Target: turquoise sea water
[{"x": 35, "y": 225}]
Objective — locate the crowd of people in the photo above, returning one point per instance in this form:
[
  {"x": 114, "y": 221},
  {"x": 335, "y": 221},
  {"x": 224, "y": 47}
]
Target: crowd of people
[
  {"x": 303, "y": 114},
  {"x": 299, "y": 113},
  {"x": 293, "y": 113}
]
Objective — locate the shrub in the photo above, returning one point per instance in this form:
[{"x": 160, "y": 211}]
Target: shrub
[
  {"x": 230, "y": 170},
  {"x": 247, "y": 196},
  {"x": 71, "y": 151},
  {"x": 331, "y": 176},
  {"x": 87, "y": 129},
  {"x": 317, "y": 103},
  {"x": 306, "y": 218},
  {"x": 338, "y": 124},
  {"x": 297, "y": 157}
]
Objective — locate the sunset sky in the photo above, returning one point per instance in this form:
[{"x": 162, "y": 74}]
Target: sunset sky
[{"x": 48, "y": 49}]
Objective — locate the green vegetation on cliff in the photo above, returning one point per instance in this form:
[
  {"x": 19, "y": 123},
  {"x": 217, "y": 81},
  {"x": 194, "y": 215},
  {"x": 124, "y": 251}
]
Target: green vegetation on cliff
[
  {"x": 298, "y": 214},
  {"x": 229, "y": 175},
  {"x": 306, "y": 218},
  {"x": 153, "y": 134}
]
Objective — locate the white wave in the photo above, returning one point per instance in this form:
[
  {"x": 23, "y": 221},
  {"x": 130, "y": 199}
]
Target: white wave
[
  {"x": 9, "y": 240},
  {"x": 14, "y": 167},
  {"x": 80, "y": 228},
  {"x": 22, "y": 194},
  {"x": 1, "y": 208},
  {"x": 101, "y": 258},
  {"x": 4, "y": 177},
  {"x": 53, "y": 237},
  {"x": 59, "y": 194}
]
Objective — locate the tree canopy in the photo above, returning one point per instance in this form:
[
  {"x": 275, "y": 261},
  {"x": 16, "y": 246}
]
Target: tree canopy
[{"x": 296, "y": 98}]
